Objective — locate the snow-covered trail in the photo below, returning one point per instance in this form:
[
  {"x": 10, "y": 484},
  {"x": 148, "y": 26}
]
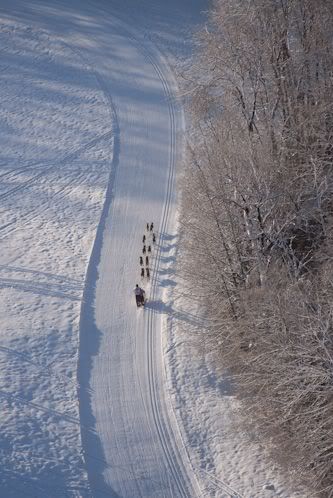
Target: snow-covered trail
[{"x": 130, "y": 448}]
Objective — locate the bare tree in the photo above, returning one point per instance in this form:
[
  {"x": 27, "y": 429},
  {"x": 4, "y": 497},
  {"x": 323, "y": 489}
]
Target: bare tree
[{"x": 257, "y": 216}]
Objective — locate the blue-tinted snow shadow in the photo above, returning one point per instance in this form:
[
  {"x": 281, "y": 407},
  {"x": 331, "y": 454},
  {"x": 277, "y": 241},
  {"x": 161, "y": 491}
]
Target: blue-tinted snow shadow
[
  {"x": 221, "y": 384},
  {"x": 63, "y": 289},
  {"x": 166, "y": 243},
  {"x": 90, "y": 341},
  {"x": 160, "y": 307}
]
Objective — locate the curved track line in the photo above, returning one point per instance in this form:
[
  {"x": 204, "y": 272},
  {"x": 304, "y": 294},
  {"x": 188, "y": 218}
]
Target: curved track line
[
  {"x": 158, "y": 419},
  {"x": 165, "y": 427},
  {"x": 161, "y": 422}
]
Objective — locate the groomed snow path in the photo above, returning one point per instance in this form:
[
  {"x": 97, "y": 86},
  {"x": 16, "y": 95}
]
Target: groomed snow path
[{"x": 129, "y": 442}]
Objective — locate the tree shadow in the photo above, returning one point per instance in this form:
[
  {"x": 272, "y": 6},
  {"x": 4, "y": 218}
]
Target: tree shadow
[
  {"x": 159, "y": 306},
  {"x": 71, "y": 293},
  {"x": 166, "y": 271},
  {"x": 223, "y": 385},
  {"x": 167, "y": 282}
]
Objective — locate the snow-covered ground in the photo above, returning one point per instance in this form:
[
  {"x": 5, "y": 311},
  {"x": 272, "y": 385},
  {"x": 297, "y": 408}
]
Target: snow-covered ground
[{"x": 99, "y": 398}]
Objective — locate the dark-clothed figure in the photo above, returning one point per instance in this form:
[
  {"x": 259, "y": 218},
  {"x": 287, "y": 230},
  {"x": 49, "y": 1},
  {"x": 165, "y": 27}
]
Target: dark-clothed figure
[{"x": 139, "y": 295}]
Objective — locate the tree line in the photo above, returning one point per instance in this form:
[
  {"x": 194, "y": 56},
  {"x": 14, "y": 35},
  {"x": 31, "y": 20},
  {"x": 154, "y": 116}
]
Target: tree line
[{"x": 257, "y": 218}]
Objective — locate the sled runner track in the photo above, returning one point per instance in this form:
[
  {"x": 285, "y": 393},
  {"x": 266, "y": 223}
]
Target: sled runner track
[
  {"x": 174, "y": 462},
  {"x": 216, "y": 482},
  {"x": 162, "y": 423}
]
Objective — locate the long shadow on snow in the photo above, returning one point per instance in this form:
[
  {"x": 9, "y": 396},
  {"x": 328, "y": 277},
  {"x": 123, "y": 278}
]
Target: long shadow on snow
[
  {"x": 159, "y": 306},
  {"x": 90, "y": 340}
]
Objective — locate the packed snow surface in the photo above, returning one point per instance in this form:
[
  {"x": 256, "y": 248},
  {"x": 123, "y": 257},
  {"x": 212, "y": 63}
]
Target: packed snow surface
[{"x": 99, "y": 398}]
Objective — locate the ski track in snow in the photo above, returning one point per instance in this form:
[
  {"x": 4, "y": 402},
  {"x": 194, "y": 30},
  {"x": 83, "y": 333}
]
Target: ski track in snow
[{"x": 99, "y": 399}]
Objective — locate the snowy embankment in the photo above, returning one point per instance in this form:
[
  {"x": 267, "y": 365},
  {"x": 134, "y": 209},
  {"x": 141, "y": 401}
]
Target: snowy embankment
[{"x": 90, "y": 144}]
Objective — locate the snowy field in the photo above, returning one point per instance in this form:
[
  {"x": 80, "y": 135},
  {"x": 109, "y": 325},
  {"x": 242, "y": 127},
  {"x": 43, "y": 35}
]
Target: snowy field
[{"x": 98, "y": 398}]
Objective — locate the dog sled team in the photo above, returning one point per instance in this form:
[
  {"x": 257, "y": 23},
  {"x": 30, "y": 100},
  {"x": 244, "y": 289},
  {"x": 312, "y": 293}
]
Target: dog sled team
[{"x": 148, "y": 241}]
